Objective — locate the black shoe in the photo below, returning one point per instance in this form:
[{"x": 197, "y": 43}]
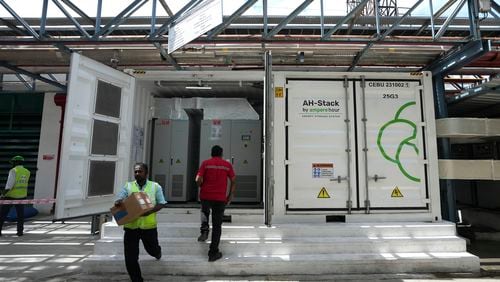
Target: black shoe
[
  {"x": 203, "y": 237},
  {"x": 215, "y": 257},
  {"x": 20, "y": 234},
  {"x": 158, "y": 257}
]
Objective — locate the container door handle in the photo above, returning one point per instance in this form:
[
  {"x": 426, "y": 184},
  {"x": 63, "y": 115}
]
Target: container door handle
[
  {"x": 339, "y": 178},
  {"x": 376, "y": 177}
]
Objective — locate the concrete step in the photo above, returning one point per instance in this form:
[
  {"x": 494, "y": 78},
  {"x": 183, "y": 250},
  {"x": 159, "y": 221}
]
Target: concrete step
[
  {"x": 318, "y": 264},
  {"x": 281, "y": 231},
  {"x": 294, "y": 246}
]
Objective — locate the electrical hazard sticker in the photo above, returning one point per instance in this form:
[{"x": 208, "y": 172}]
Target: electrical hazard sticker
[
  {"x": 278, "y": 92},
  {"x": 322, "y": 170},
  {"x": 323, "y": 194},
  {"x": 396, "y": 193}
]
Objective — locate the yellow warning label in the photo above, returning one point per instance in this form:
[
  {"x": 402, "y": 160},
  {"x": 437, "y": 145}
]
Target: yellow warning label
[
  {"x": 178, "y": 161},
  {"x": 278, "y": 92},
  {"x": 396, "y": 193},
  {"x": 323, "y": 194}
]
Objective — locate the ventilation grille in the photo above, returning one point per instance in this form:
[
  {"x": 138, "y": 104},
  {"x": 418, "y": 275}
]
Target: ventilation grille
[
  {"x": 246, "y": 187},
  {"x": 177, "y": 185},
  {"x": 161, "y": 179}
]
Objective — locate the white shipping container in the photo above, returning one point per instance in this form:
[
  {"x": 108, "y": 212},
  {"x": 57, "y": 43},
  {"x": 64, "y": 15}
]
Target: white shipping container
[{"x": 352, "y": 144}]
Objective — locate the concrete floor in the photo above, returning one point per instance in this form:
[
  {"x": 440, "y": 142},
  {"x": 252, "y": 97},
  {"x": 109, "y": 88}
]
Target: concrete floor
[{"x": 55, "y": 251}]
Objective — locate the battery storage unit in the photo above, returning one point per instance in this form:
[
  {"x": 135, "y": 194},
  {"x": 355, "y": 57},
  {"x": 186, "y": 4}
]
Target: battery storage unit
[
  {"x": 170, "y": 157},
  {"x": 241, "y": 144},
  {"x": 356, "y": 144}
]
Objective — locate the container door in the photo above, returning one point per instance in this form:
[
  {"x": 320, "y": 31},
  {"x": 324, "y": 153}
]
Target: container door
[
  {"x": 178, "y": 161},
  {"x": 391, "y": 151},
  {"x": 96, "y": 140},
  {"x": 319, "y": 134}
]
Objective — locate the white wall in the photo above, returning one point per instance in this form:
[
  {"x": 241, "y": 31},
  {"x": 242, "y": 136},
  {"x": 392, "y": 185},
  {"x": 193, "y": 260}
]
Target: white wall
[
  {"x": 213, "y": 108},
  {"x": 47, "y": 148}
]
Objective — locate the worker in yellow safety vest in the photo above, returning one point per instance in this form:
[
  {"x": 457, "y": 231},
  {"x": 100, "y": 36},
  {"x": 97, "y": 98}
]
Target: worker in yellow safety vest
[
  {"x": 16, "y": 188},
  {"x": 143, "y": 228}
]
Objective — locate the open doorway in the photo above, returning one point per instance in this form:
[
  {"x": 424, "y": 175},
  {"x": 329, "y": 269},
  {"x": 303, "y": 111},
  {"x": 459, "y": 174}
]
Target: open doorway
[{"x": 192, "y": 116}]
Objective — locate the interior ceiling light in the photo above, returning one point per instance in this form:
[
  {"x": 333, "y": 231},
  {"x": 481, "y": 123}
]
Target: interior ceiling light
[
  {"x": 196, "y": 87},
  {"x": 199, "y": 86}
]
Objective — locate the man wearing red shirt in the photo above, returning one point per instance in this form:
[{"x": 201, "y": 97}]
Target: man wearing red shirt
[{"x": 212, "y": 180}]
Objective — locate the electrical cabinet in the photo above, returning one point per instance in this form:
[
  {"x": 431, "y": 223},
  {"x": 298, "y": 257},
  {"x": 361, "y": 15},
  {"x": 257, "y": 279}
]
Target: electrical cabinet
[
  {"x": 170, "y": 157},
  {"x": 241, "y": 144}
]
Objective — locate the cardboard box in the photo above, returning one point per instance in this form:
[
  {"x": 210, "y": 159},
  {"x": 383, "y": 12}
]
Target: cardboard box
[{"x": 132, "y": 208}]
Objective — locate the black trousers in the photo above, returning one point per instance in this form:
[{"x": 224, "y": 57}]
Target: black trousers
[
  {"x": 131, "y": 239},
  {"x": 4, "y": 211},
  {"x": 217, "y": 208}
]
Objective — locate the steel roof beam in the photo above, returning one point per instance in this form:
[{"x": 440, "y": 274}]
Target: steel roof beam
[
  {"x": 115, "y": 22},
  {"x": 14, "y": 28},
  {"x": 124, "y": 18},
  {"x": 495, "y": 6},
  {"x": 32, "y": 75},
  {"x": 28, "y": 28},
  {"x": 25, "y": 82},
  {"x": 458, "y": 57},
  {"x": 401, "y": 19},
  {"x": 445, "y": 25},
  {"x": 52, "y": 76},
  {"x": 474, "y": 19},
  {"x": 384, "y": 35},
  {"x": 264, "y": 16},
  {"x": 79, "y": 11},
  {"x": 98, "y": 17},
  {"x": 153, "y": 17},
  {"x": 472, "y": 93},
  {"x": 494, "y": 14},
  {"x": 288, "y": 19},
  {"x": 164, "y": 28},
  {"x": 43, "y": 19},
  {"x": 165, "y": 55},
  {"x": 345, "y": 19},
  {"x": 235, "y": 15},
  {"x": 167, "y": 8},
  {"x": 75, "y": 22},
  {"x": 443, "y": 9}
]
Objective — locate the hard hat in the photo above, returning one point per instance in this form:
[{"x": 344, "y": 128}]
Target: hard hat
[{"x": 17, "y": 159}]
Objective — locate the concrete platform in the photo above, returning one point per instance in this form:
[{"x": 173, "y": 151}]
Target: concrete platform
[
  {"x": 296, "y": 249},
  {"x": 55, "y": 252}
]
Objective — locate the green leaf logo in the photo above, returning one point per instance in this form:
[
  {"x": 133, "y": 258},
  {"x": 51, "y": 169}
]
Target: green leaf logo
[{"x": 409, "y": 141}]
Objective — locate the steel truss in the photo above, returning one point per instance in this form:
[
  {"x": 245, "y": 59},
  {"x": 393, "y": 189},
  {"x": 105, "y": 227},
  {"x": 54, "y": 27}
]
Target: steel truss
[{"x": 369, "y": 23}]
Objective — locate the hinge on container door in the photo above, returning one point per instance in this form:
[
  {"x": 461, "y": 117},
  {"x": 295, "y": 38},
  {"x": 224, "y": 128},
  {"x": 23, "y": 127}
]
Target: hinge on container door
[
  {"x": 287, "y": 162},
  {"x": 419, "y": 87},
  {"x": 286, "y": 202},
  {"x": 363, "y": 83},
  {"x": 426, "y": 201},
  {"x": 346, "y": 82},
  {"x": 287, "y": 123}
]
